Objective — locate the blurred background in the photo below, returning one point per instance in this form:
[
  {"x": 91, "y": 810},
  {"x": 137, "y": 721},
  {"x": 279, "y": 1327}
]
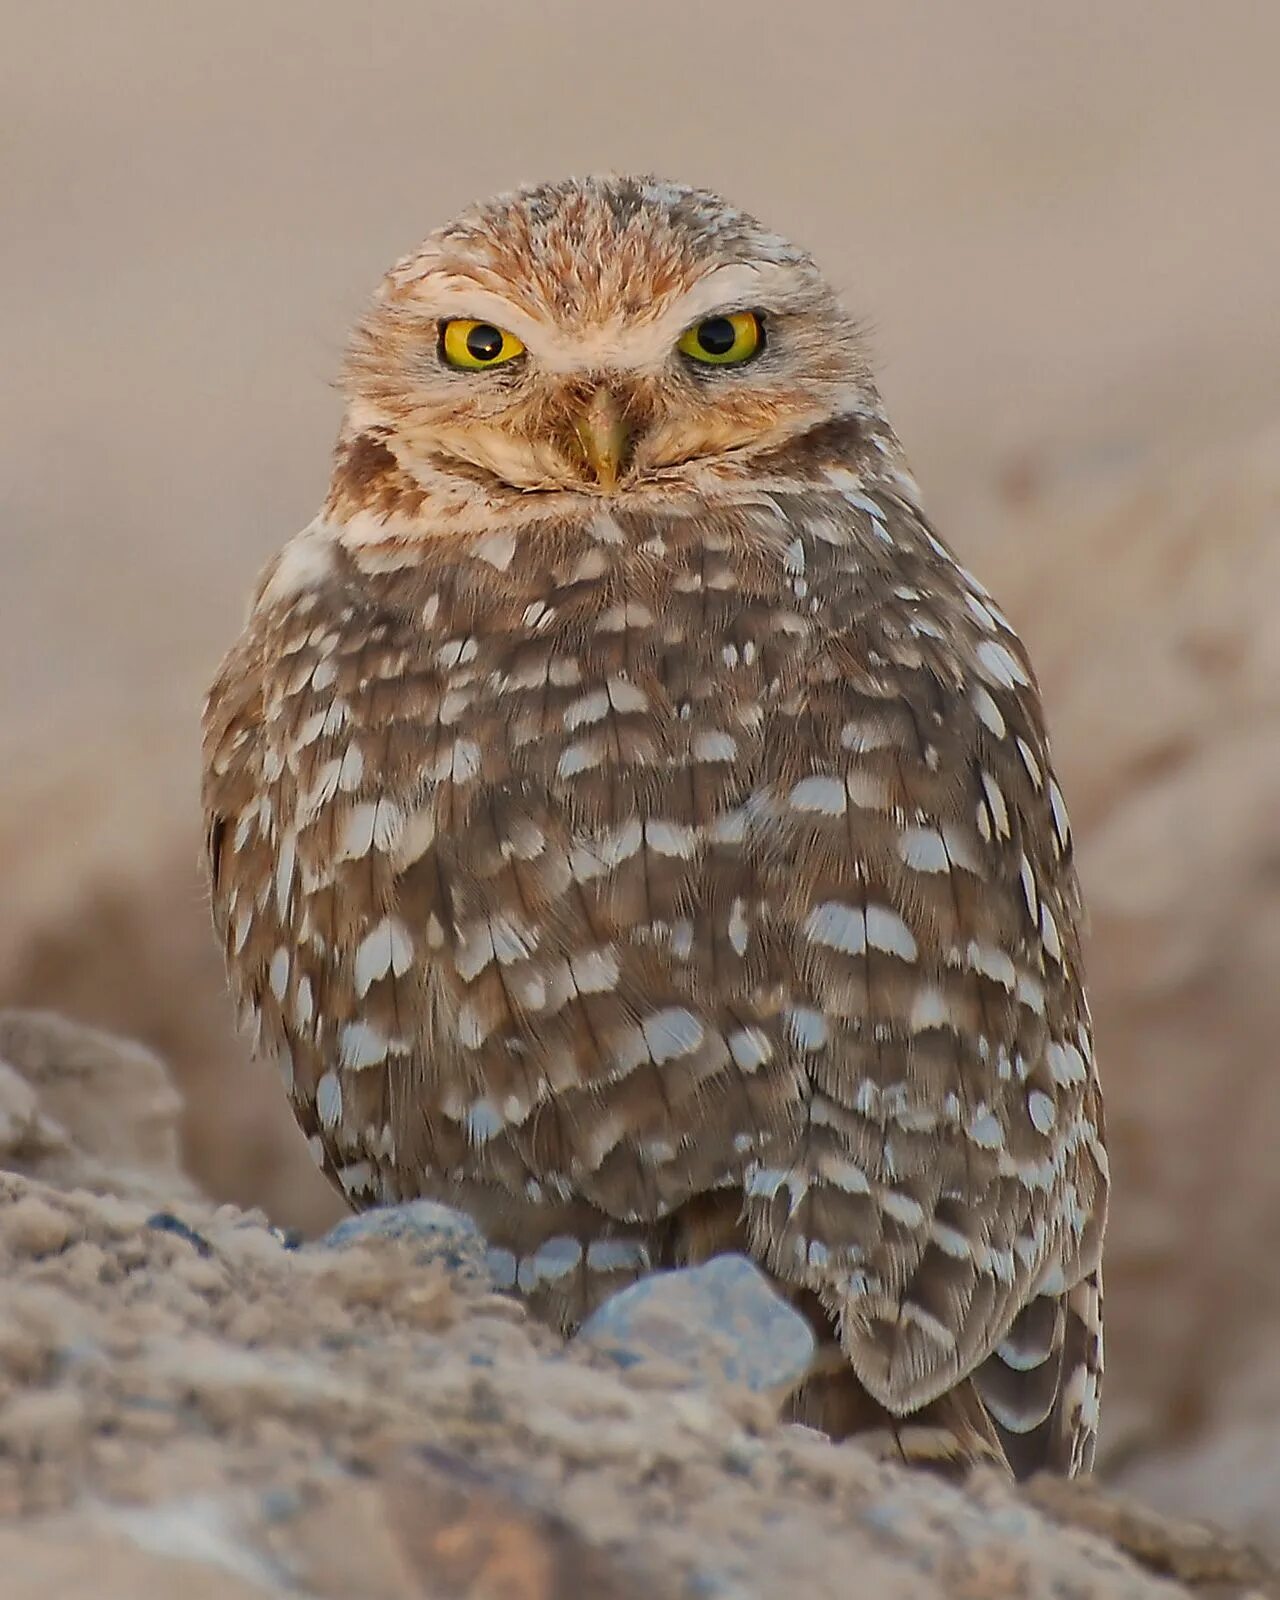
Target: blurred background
[{"x": 1061, "y": 226}]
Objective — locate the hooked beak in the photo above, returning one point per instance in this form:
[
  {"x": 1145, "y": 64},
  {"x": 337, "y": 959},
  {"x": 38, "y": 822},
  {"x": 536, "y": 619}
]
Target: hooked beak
[{"x": 605, "y": 438}]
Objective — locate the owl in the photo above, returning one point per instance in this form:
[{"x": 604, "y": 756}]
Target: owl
[{"x": 627, "y": 822}]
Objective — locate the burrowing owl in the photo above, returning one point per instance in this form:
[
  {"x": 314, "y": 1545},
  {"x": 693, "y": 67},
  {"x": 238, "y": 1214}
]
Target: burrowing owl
[{"x": 628, "y": 822}]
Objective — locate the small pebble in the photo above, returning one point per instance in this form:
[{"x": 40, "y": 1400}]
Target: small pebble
[
  {"x": 166, "y": 1222},
  {"x": 444, "y": 1235},
  {"x": 721, "y": 1322}
]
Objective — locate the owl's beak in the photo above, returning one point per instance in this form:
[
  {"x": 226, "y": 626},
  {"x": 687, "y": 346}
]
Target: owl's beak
[{"x": 605, "y": 437}]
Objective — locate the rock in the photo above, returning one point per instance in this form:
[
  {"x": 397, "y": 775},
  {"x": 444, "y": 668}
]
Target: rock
[
  {"x": 63, "y": 1556},
  {"x": 34, "y": 1228},
  {"x": 721, "y": 1322},
  {"x": 305, "y": 1429},
  {"x": 468, "y": 1533},
  {"x": 437, "y": 1232},
  {"x": 81, "y": 1108}
]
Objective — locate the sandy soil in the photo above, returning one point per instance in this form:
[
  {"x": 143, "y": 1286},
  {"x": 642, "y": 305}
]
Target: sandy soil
[{"x": 1060, "y": 224}]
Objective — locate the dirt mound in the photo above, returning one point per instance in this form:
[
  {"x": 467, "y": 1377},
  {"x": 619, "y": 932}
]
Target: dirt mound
[{"x": 190, "y": 1404}]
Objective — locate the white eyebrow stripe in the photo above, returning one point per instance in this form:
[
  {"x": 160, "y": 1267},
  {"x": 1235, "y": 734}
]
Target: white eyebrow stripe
[
  {"x": 611, "y": 345},
  {"x": 460, "y": 298},
  {"x": 740, "y": 286}
]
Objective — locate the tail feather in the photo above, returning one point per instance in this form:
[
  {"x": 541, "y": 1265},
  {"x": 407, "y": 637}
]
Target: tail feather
[{"x": 1040, "y": 1385}]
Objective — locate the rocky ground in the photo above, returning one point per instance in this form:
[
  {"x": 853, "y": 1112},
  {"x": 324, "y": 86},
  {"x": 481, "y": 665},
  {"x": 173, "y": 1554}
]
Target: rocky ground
[{"x": 191, "y": 1402}]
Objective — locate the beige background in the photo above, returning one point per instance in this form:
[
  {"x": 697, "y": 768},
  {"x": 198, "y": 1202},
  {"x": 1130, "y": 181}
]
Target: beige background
[{"x": 1061, "y": 225}]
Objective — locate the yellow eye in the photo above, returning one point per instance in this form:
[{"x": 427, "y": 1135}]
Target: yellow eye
[
  {"x": 477, "y": 344},
  {"x": 724, "y": 341}
]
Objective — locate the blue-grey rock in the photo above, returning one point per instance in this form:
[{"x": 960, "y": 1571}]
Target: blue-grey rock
[
  {"x": 439, "y": 1232},
  {"x": 722, "y": 1322}
]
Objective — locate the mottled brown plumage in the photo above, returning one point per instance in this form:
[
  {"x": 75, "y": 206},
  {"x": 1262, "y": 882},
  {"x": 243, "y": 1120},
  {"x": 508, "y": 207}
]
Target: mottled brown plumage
[{"x": 667, "y": 859}]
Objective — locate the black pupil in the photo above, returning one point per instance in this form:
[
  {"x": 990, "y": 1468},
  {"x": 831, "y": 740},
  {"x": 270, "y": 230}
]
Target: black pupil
[
  {"x": 484, "y": 343},
  {"x": 717, "y": 336}
]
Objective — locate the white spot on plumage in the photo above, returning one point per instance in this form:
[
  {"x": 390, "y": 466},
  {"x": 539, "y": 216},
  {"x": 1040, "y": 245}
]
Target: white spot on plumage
[
  {"x": 999, "y": 812},
  {"x": 454, "y": 705},
  {"x": 351, "y": 768},
  {"x": 356, "y": 1177},
  {"x": 822, "y": 792},
  {"x": 1061, "y": 822},
  {"x": 304, "y": 563},
  {"x": 985, "y": 1130},
  {"x": 576, "y": 758},
  {"x": 989, "y": 713},
  {"x": 618, "y": 619},
  {"x": 843, "y": 1173},
  {"x": 329, "y": 1100},
  {"x": 375, "y": 824},
  {"x": 324, "y": 675},
  {"x": 671, "y": 1033},
  {"x": 902, "y": 1208},
  {"x": 888, "y": 932},
  {"x": 1030, "y": 763},
  {"x": 286, "y": 862},
  {"x": 459, "y": 763},
  {"x": 595, "y": 971},
  {"x": 279, "y": 973},
  {"x": 549, "y": 1262},
  {"x": 981, "y": 613},
  {"x": 483, "y": 1122},
  {"x": 929, "y": 1009},
  {"x": 750, "y": 1048},
  {"x": 762, "y": 1183},
  {"x": 590, "y": 708},
  {"x": 1001, "y": 665},
  {"x": 923, "y": 850},
  {"x": 714, "y": 746},
  {"x": 606, "y": 529},
  {"x": 495, "y": 548},
  {"x": 950, "y": 1241},
  {"x": 991, "y": 963},
  {"x": 865, "y": 735},
  {"x": 473, "y": 1030},
  {"x": 1041, "y": 1110},
  {"x": 1066, "y": 1064},
  {"x": 456, "y": 652},
  {"x": 731, "y": 828},
  {"x": 1030, "y": 890},
  {"x": 739, "y": 929},
  {"x": 932, "y": 1327},
  {"x": 361, "y": 1045},
  {"x": 839, "y": 926},
  {"x": 671, "y": 839},
  {"x": 386, "y": 949},
  {"x": 1049, "y": 933},
  {"x": 807, "y": 1028}
]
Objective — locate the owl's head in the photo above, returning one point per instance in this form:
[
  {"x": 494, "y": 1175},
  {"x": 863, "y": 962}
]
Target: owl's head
[{"x": 600, "y": 335}]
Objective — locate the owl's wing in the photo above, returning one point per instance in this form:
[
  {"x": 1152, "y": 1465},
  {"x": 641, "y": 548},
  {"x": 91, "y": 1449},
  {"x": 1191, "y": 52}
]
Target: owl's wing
[
  {"x": 319, "y": 731},
  {"x": 941, "y": 1181}
]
